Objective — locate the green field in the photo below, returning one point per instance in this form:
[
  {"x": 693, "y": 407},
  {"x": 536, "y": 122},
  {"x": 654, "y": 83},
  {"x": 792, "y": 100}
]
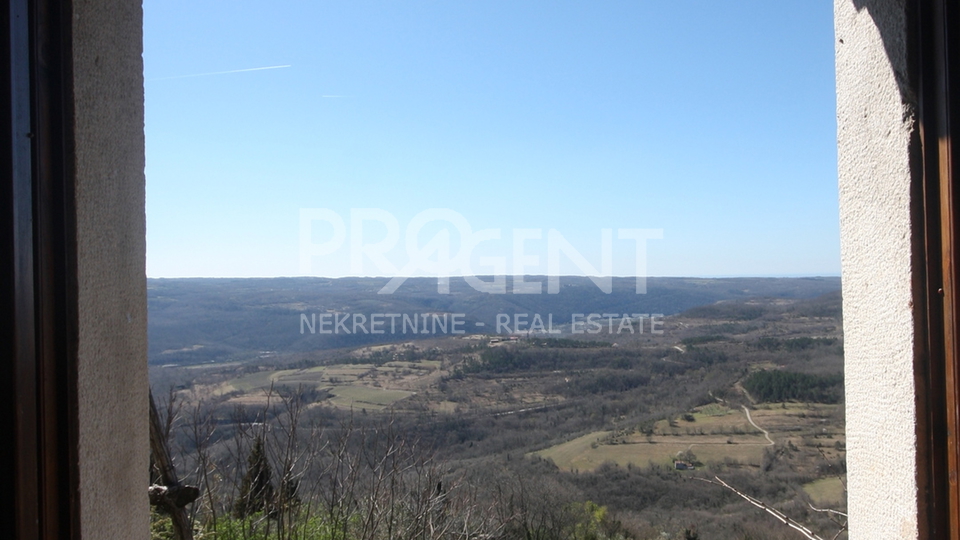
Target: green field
[
  {"x": 429, "y": 365},
  {"x": 317, "y": 376},
  {"x": 709, "y": 420},
  {"x": 714, "y": 433},
  {"x": 826, "y": 491},
  {"x": 364, "y": 397},
  {"x": 576, "y": 454},
  {"x": 588, "y": 452},
  {"x": 340, "y": 380},
  {"x": 256, "y": 381}
]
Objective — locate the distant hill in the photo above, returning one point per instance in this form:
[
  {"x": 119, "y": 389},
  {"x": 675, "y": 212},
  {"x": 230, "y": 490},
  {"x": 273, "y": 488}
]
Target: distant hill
[{"x": 213, "y": 320}]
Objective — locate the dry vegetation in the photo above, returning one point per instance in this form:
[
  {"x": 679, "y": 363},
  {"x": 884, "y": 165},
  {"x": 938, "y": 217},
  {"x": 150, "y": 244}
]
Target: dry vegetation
[{"x": 585, "y": 420}]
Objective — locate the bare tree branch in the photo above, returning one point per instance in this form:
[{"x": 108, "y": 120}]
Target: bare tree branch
[
  {"x": 171, "y": 495},
  {"x": 826, "y": 510},
  {"x": 810, "y": 535}
]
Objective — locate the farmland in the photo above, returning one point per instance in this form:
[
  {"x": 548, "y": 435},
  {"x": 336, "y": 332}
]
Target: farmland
[
  {"x": 599, "y": 417},
  {"x": 714, "y": 434},
  {"x": 361, "y": 386}
]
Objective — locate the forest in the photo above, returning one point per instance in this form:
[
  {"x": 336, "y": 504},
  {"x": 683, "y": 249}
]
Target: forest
[{"x": 569, "y": 437}]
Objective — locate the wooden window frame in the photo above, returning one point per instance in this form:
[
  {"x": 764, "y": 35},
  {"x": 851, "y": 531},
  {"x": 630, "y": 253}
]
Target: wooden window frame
[
  {"x": 934, "y": 56},
  {"x": 38, "y": 311}
]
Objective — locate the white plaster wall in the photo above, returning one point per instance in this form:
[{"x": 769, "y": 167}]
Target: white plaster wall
[
  {"x": 874, "y": 138},
  {"x": 113, "y": 406}
]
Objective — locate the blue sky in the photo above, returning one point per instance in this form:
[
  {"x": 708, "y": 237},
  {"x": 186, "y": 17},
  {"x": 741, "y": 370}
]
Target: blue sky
[{"x": 711, "y": 121}]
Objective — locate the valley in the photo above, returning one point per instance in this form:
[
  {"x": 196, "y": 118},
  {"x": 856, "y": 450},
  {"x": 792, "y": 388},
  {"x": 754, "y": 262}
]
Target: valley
[{"x": 746, "y": 389}]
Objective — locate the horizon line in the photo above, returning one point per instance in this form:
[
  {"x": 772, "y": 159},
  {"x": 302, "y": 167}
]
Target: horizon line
[{"x": 713, "y": 276}]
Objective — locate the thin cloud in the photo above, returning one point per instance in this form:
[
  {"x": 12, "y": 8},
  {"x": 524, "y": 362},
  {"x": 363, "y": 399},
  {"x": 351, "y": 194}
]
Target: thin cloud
[{"x": 219, "y": 73}]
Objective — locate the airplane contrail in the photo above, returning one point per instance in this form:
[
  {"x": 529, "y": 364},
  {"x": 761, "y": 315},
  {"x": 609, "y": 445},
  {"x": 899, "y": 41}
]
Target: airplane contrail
[{"x": 219, "y": 73}]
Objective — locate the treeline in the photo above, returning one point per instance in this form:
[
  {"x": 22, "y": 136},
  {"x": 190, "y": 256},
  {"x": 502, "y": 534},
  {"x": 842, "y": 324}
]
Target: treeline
[
  {"x": 727, "y": 311},
  {"x": 792, "y": 344},
  {"x": 511, "y": 359},
  {"x": 705, "y": 357},
  {"x": 563, "y": 343},
  {"x": 401, "y": 353},
  {"x": 700, "y": 340},
  {"x": 776, "y": 386},
  {"x": 504, "y": 360},
  {"x": 602, "y": 381}
]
